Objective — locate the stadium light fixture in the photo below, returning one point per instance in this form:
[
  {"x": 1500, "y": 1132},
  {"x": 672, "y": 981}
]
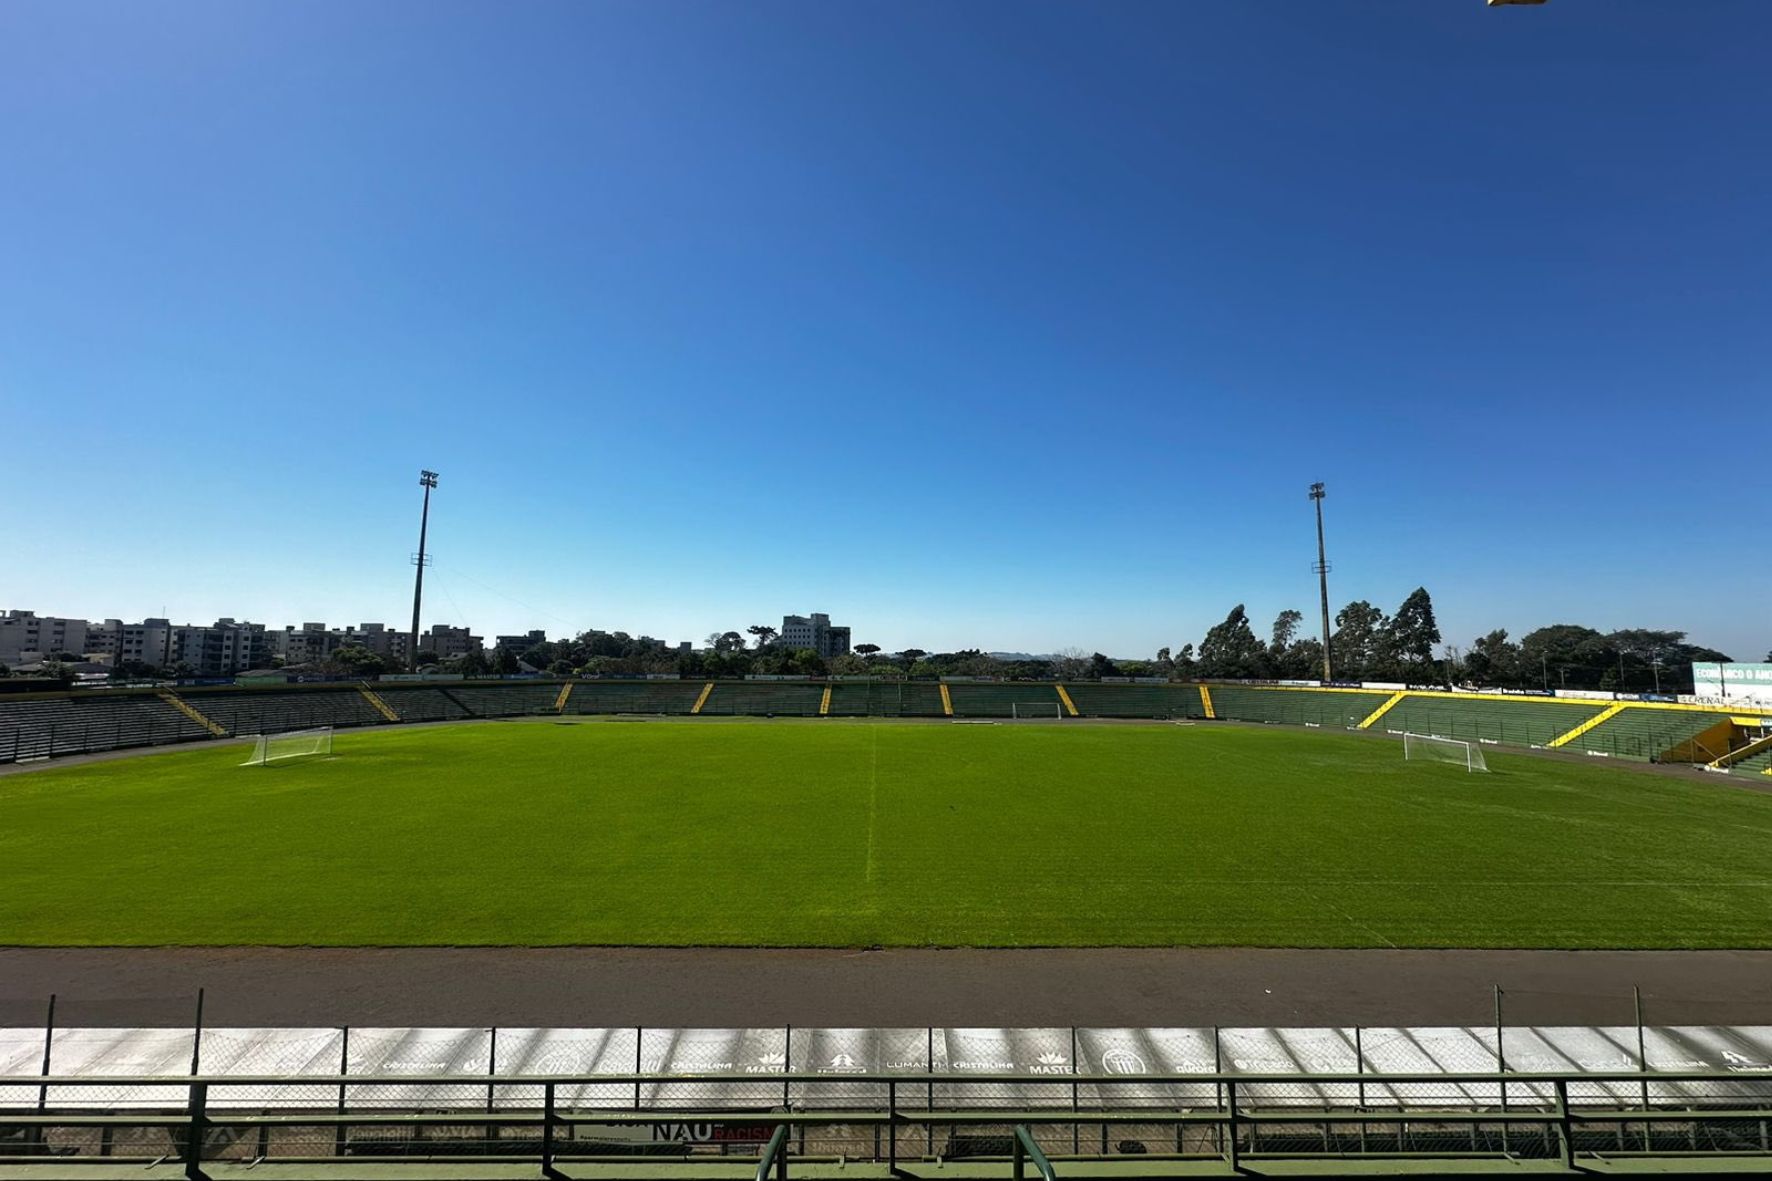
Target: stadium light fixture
[
  {"x": 427, "y": 480},
  {"x": 1322, "y": 569}
]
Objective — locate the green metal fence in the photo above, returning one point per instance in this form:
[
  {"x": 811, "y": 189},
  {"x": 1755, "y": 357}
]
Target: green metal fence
[{"x": 892, "y": 1124}]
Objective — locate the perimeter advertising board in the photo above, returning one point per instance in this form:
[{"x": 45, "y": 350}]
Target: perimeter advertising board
[{"x": 1733, "y": 682}]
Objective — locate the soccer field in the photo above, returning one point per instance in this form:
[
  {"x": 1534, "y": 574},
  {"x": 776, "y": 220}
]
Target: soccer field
[{"x": 863, "y": 833}]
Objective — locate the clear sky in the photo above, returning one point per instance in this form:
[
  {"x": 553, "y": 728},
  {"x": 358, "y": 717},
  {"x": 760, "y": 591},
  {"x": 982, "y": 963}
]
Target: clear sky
[{"x": 1014, "y": 325}]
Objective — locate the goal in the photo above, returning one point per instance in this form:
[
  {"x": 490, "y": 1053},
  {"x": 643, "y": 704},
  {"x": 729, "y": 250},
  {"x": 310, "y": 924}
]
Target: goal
[
  {"x": 292, "y": 744},
  {"x": 1024, "y": 710},
  {"x": 1444, "y": 750}
]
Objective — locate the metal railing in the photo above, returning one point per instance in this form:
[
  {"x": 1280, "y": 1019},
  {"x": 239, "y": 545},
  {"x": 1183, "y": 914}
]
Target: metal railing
[{"x": 1558, "y": 1119}]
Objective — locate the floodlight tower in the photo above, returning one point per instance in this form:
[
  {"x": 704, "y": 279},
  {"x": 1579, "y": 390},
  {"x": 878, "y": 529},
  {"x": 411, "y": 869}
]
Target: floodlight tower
[
  {"x": 1322, "y": 569},
  {"x": 428, "y": 480}
]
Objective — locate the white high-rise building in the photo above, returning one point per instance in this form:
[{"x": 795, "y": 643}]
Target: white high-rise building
[
  {"x": 816, "y": 632},
  {"x": 26, "y": 637}
]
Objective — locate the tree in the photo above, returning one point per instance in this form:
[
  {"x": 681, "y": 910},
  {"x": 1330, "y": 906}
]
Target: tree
[
  {"x": 910, "y": 656},
  {"x": 425, "y": 657},
  {"x": 505, "y": 662},
  {"x": 1359, "y": 640},
  {"x": 59, "y": 671},
  {"x": 1285, "y": 630},
  {"x": 1413, "y": 631},
  {"x": 1565, "y": 654},
  {"x": 355, "y": 660},
  {"x": 803, "y": 662},
  {"x": 1185, "y": 664},
  {"x": 1163, "y": 657},
  {"x": 1289, "y": 655},
  {"x": 561, "y": 668},
  {"x": 723, "y": 642},
  {"x": 1100, "y": 666},
  {"x": 866, "y": 649},
  {"x": 849, "y": 665},
  {"x": 1494, "y": 660},
  {"x": 473, "y": 664},
  {"x": 764, "y": 633},
  {"x": 1071, "y": 664},
  {"x": 1230, "y": 649}
]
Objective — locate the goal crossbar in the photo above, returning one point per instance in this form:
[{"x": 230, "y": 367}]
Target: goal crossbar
[
  {"x": 291, "y": 744},
  {"x": 1444, "y": 750}
]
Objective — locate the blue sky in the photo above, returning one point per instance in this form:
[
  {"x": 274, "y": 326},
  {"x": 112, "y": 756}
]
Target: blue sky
[{"x": 1017, "y": 325}]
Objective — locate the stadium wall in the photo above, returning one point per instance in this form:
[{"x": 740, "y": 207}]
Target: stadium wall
[{"x": 47, "y": 725}]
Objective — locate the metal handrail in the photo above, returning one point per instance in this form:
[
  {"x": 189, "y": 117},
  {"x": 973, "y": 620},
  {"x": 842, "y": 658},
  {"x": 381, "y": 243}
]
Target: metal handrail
[
  {"x": 1025, "y": 1148},
  {"x": 775, "y": 1155}
]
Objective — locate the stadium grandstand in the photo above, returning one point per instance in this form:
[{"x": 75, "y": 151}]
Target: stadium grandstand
[{"x": 1721, "y": 737}]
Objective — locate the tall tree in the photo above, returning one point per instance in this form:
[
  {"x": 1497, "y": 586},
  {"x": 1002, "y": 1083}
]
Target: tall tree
[
  {"x": 763, "y": 632},
  {"x": 1413, "y": 632},
  {"x": 1358, "y": 645},
  {"x": 1230, "y": 649},
  {"x": 1288, "y": 654},
  {"x": 504, "y": 662},
  {"x": 1285, "y": 630}
]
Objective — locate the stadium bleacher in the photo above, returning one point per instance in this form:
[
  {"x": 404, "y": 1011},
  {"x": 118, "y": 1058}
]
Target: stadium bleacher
[
  {"x": 1523, "y": 721},
  {"x": 765, "y": 698},
  {"x": 1003, "y": 699},
  {"x": 500, "y": 700},
  {"x": 886, "y": 699},
  {"x": 60, "y": 725},
  {"x": 271, "y": 712},
  {"x": 40, "y": 726},
  {"x": 1648, "y": 733},
  {"x": 1345, "y": 708},
  {"x": 423, "y": 703},
  {"x": 633, "y": 697},
  {"x": 1107, "y": 700}
]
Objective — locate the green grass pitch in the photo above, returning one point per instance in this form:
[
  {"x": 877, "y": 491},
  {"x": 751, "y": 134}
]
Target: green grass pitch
[{"x": 858, "y": 833}]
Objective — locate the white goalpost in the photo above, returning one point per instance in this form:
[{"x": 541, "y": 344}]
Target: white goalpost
[
  {"x": 1444, "y": 750},
  {"x": 292, "y": 744},
  {"x": 1024, "y": 710}
]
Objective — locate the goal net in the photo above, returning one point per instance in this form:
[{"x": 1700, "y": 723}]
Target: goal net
[
  {"x": 1444, "y": 750},
  {"x": 291, "y": 745},
  {"x": 1034, "y": 709}
]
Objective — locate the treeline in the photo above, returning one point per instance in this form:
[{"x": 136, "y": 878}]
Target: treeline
[
  {"x": 1369, "y": 645},
  {"x": 1366, "y": 644}
]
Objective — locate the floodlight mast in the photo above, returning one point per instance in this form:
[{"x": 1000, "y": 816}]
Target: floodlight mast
[
  {"x": 428, "y": 480},
  {"x": 1322, "y": 569}
]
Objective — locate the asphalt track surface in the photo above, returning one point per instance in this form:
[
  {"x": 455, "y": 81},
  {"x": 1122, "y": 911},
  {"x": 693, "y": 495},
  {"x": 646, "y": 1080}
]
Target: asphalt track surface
[{"x": 950, "y": 988}]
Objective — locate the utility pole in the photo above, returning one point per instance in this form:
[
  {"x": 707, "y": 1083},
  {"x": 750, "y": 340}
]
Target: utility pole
[
  {"x": 1322, "y": 569},
  {"x": 428, "y": 480}
]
